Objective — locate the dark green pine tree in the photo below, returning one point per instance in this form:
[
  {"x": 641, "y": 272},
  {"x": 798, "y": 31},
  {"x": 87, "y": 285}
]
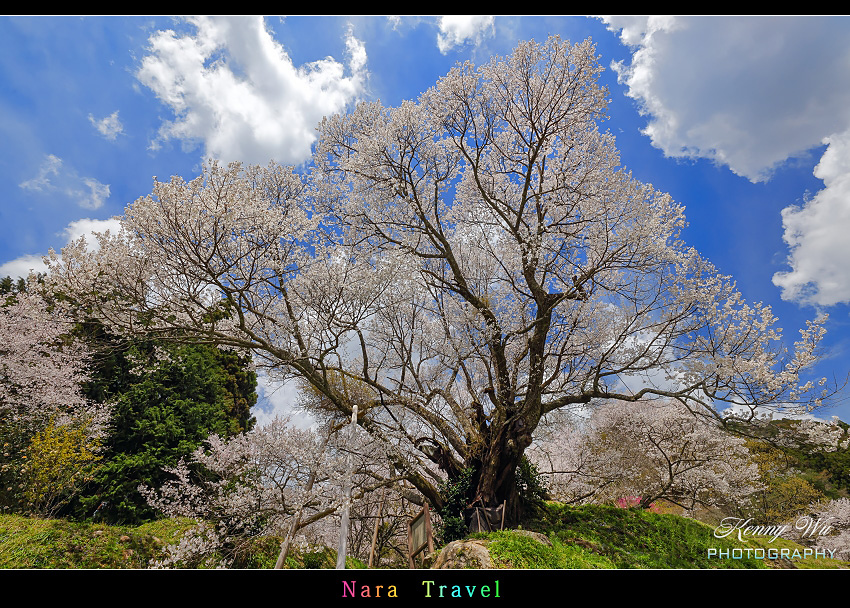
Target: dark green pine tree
[
  {"x": 8, "y": 285},
  {"x": 160, "y": 414}
]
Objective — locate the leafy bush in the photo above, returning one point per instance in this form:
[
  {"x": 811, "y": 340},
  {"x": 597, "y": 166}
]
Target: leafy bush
[
  {"x": 531, "y": 486},
  {"x": 512, "y": 549},
  {"x": 323, "y": 558},
  {"x": 455, "y": 494}
]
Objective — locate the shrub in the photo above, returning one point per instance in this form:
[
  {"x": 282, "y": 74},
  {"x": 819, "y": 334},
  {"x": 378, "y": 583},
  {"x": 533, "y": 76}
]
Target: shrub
[{"x": 455, "y": 494}]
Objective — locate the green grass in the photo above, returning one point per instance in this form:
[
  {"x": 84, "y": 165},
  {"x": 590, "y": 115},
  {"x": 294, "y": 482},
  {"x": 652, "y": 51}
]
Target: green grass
[
  {"x": 581, "y": 537},
  {"x": 508, "y": 549},
  {"x": 593, "y": 536},
  {"x": 56, "y": 543}
]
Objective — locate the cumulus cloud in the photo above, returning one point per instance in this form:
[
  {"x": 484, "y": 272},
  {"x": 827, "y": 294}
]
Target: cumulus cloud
[
  {"x": 235, "y": 90},
  {"x": 456, "y": 30},
  {"x": 110, "y": 127},
  {"x": 816, "y": 234},
  {"x": 55, "y": 177},
  {"x": 750, "y": 93},
  {"x": 88, "y": 227},
  {"x": 747, "y": 92},
  {"x": 25, "y": 264},
  {"x": 22, "y": 266}
]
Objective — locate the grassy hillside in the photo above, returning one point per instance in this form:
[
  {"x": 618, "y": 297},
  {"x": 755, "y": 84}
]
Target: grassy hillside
[
  {"x": 593, "y": 536},
  {"x": 57, "y": 543},
  {"x": 580, "y": 537}
]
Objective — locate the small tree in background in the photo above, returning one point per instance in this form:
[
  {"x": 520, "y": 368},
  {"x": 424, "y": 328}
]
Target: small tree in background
[
  {"x": 836, "y": 514},
  {"x": 655, "y": 451},
  {"x": 258, "y": 484},
  {"x": 786, "y": 493},
  {"x": 801, "y": 462},
  {"x": 42, "y": 407},
  {"x": 41, "y": 365}
]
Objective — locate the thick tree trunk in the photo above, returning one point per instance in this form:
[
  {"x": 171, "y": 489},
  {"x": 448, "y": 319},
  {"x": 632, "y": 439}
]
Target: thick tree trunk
[
  {"x": 493, "y": 487},
  {"x": 495, "y": 482}
]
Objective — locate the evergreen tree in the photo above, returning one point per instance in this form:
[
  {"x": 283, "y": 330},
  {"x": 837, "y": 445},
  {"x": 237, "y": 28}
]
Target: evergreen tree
[{"x": 163, "y": 409}]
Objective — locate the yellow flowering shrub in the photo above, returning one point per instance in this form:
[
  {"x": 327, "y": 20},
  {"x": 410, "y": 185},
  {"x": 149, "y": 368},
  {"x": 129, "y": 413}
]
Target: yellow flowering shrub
[{"x": 59, "y": 459}]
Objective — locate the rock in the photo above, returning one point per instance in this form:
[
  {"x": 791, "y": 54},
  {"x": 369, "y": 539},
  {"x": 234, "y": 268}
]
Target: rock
[
  {"x": 541, "y": 538},
  {"x": 461, "y": 554}
]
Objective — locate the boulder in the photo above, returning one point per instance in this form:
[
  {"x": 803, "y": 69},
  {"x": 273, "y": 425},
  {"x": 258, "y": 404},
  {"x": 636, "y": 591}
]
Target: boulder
[
  {"x": 475, "y": 553},
  {"x": 461, "y": 554}
]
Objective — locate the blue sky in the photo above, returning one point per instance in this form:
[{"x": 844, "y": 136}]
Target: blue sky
[{"x": 744, "y": 120}]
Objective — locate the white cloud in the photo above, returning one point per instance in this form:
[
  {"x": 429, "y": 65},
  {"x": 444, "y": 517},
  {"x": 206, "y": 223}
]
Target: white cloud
[
  {"x": 22, "y": 266},
  {"x": 51, "y": 167},
  {"x": 233, "y": 88},
  {"x": 751, "y": 93},
  {"x": 87, "y": 227},
  {"x": 110, "y": 127},
  {"x": 747, "y": 92},
  {"x": 356, "y": 52},
  {"x": 456, "y": 30},
  {"x": 96, "y": 195},
  {"x": 816, "y": 234},
  {"x": 55, "y": 177}
]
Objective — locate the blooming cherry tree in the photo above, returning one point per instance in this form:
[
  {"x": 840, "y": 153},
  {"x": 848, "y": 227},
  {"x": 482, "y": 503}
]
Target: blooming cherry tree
[
  {"x": 49, "y": 432},
  {"x": 40, "y": 370},
  {"x": 824, "y": 526},
  {"x": 471, "y": 260},
  {"x": 275, "y": 480},
  {"x": 836, "y": 515},
  {"x": 816, "y": 435},
  {"x": 648, "y": 450}
]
